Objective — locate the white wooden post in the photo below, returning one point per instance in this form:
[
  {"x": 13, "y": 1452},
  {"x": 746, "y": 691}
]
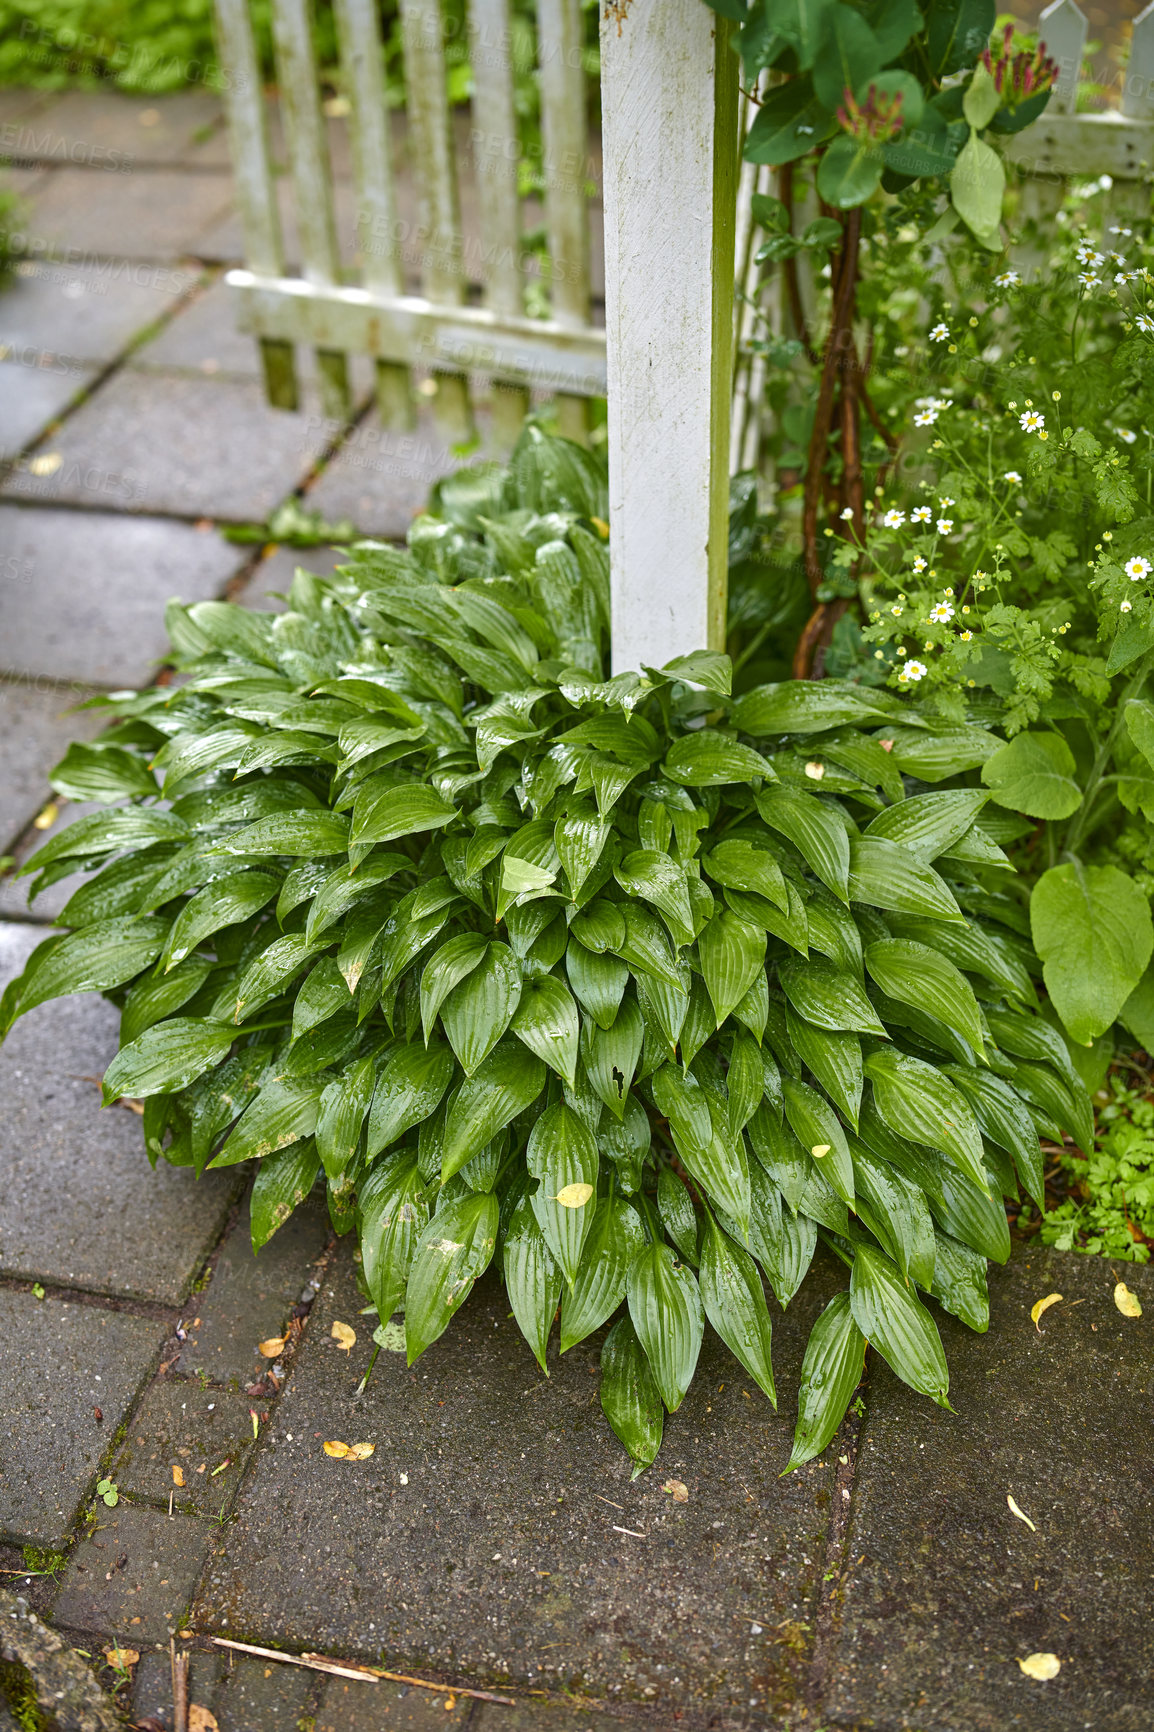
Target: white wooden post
[
  {"x": 669, "y": 106},
  {"x": 1062, "y": 27}
]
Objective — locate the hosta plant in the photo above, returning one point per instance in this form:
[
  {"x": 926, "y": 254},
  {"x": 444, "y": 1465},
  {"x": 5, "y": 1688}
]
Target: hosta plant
[{"x": 634, "y": 990}]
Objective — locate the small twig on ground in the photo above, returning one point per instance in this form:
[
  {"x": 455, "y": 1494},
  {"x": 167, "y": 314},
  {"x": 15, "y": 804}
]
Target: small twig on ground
[
  {"x": 367, "y": 1674},
  {"x": 179, "y": 1664}
]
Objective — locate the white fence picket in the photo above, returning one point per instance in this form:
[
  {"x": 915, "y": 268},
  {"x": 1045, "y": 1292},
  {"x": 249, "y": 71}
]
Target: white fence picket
[
  {"x": 1138, "y": 86},
  {"x": 565, "y": 136},
  {"x": 1062, "y": 27}
]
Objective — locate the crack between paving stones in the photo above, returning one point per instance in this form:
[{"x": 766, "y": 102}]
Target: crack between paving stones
[{"x": 838, "y": 1563}]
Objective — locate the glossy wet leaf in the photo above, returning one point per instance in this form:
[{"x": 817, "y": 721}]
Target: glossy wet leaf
[
  {"x": 894, "y": 1321},
  {"x": 734, "y": 1302},
  {"x": 503, "y": 1085},
  {"x": 455, "y": 1247},
  {"x": 665, "y": 1307},
  {"x": 478, "y": 1011},
  {"x": 282, "y": 1183},
  {"x": 392, "y": 1213},
  {"x": 532, "y": 1279},
  {"x": 167, "y": 1057},
  {"x": 629, "y": 1396},
  {"x": 613, "y": 1240},
  {"x": 562, "y": 1153},
  {"x": 831, "y": 1371}
]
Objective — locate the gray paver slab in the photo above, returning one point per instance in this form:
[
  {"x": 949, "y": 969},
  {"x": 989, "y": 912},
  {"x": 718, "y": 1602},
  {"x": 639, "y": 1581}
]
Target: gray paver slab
[
  {"x": 61, "y": 1361},
  {"x": 380, "y": 478},
  {"x": 255, "y": 1695},
  {"x": 481, "y": 1539},
  {"x": 79, "y": 1206},
  {"x": 152, "y": 1685},
  {"x": 182, "y": 1425},
  {"x": 35, "y": 729},
  {"x": 249, "y": 1298},
  {"x": 115, "y": 133},
  {"x": 951, "y": 1589},
  {"x": 33, "y": 396},
  {"x": 89, "y": 605},
  {"x": 148, "y": 214},
  {"x": 272, "y": 579},
  {"x": 389, "y": 1707},
  {"x": 133, "y": 1575},
  {"x": 172, "y": 442},
  {"x": 15, "y": 101},
  {"x": 540, "y": 1717},
  {"x": 14, "y": 904},
  {"x": 84, "y": 312}
]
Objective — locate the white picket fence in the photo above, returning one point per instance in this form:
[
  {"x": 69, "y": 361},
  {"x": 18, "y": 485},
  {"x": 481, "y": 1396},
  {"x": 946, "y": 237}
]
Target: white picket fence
[{"x": 677, "y": 356}]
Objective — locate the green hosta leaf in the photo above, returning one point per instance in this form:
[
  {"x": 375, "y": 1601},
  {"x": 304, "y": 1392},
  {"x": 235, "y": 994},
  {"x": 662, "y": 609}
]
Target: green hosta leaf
[
  {"x": 818, "y": 1129},
  {"x": 707, "y": 759},
  {"x": 610, "y": 1055},
  {"x": 1091, "y": 927},
  {"x": 816, "y": 831},
  {"x": 626, "y": 1144},
  {"x": 598, "y": 982},
  {"x": 732, "y": 954},
  {"x": 382, "y": 813},
  {"x": 444, "y": 970},
  {"x": 781, "y": 1156},
  {"x": 409, "y": 1090},
  {"x": 794, "y": 1255},
  {"x": 455, "y": 1247},
  {"x": 723, "y": 1172},
  {"x": 629, "y": 1397},
  {"x": 323, "y": 994},
  {"x": 661, "y": 881},
  {"x": 834, "y": 1059},
  {"x": 892, "y": 1320},
  {"x": 271, "y": 972},
  {"x": 532, "y": 1279},
  {"x": 806, "y": 706},
  {"x": 282, "y": 1183},
  {"x": 342, "y": 887},
  {"x": 303, "y": 835},
  {"x": 562, "y": 1155},
  {"x": 933, "y": 757},
  {"x": 960, "y": 1283},
  {"x": 734, "y": 1302},
  {"x": 1034, "y": 774},
  {"x": 827, "y": 997},
  {"x": 102, "y": 773},
  {"x": 477, "y": 1013},
  {"x": 645, "y": 946},
  {"x": 107, "y": 833},
  {"x": 284, "y": 1111},
  {"x": 1004, "y": 1120},
  {"x": 917, "y": 975},
  {"x": 929, "y": 824},
  {"x": 918, "y": 1102},
  {"x": 167, "y": 1057},
  {"x": 599, "y": 926},
  {"x": 154, "y": 997},
  {"x": 678, "y": 1216},
  {"x": 344, "y": 1104},
  {"x": 95, "y": 959},
  {"x": 708, "y": 668},
  {"x": 546, "y": 1020},
  {"x": 886, "y": 875},
  {"x": 742, "y": 866},
  {"x": 665, "y": 1307},
  {"x": 392, "y": 1213},
  {"x": 745, "y": 1081},
  {"x": 977, "y": 186},
  {"x": 503, "y": 1085},
  {"x": 664, "y": 1008},
  {"x": 681, "y": 1099},
  {"x": 831, "y": 1371},
  {"x": 579, "y": 839},
  {"x": 899, "y": 1214},
  {"x": 223, "y": 903},
  {"x": 613, "y": 1241}
]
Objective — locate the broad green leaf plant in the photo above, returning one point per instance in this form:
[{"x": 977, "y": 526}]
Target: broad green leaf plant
[{"x": 631, "y": 990}]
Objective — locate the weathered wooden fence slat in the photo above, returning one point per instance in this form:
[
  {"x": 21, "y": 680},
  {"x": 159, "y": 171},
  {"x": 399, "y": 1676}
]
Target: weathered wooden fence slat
[{"x": 565, "y": 136}]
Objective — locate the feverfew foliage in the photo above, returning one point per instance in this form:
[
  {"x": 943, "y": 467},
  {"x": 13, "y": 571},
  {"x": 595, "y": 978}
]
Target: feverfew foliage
[{"x": 634, "y": 989}]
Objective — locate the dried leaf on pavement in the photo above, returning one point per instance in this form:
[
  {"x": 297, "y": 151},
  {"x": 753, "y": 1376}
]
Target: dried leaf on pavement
[
  {"x": 1037, "y": 1309},
  {"x": 1127, "y": 1302},
  {"x": 1043, "y": 1667},
  {"x": 273, "y": 1347},
  {"x": 201, "y": 1719},
  {"x": 345, "y": 1336},
  {"x": 177, "y": 1475},
  {"x": 340, "y": 1450},
  {"x": 677, "y": 1489}
]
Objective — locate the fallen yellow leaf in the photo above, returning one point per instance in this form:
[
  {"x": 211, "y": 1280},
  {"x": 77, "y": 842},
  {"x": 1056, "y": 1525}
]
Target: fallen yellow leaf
[
  {"x": 201, "y": 1719},
  {"x": 121, "y": 1656},
  {"x": 340, "y": 1450},
  {"x": 178, "y": 1476},
  {"x": 46, "y": 465},
  {"x": 45, "y": 819},
  {"x": 677, "y": 1489},
  {"x": 1128, "y": 1303},
  {"x": 273, "y": 1347},
  {"x": 1041, "y": 1666},
  {"x": 574, "y": 1196},
  {"x": 820, "y": 1149},
  {"x": 1020, "y": 1513},
  {"x": 815, "y": 771},
  {"x": 360, "y": 1451},
  {"x": 344, "y": 1336},
  {"x": 1043, "y": 1305}
]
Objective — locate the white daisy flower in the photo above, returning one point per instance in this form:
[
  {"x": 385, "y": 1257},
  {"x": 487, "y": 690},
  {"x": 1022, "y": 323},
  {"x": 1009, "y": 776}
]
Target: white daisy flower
[
  {"x": 1121, "y": 277},
  {"x": 1137, "y": 568},
  {"x": 925, "y": 417},
  {"x": 944, "y": 525},
  {"x": 1118, "y": 231},
  {"x": 914, "y": 671},
  {"x": 1011, "y": 475},
  {"x": 1125, "y": 607},
  {"x": 1088, "y": 280},
  {"x": 897, "y": 611},
  {"x": 894, "y": 519},
  {"x": 942, "y": 614},
  {"x": 1126, "y": 435},
  {"x": 1144, "y": 323},
  {"x": 847, "y": 514},
  {"x": 1031, "y": 421},
  {"x": 1007, "y": 280},
  {"x": 939, "y": 334},
  {"x": 965, "y": 636},
  {"x": 920, "y": 563},
  {"x": 945, "y": 503},
  {"x": 920, "y": 514}
]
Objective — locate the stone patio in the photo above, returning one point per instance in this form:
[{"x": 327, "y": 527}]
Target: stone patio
[{"x": 494, "y": 1540}]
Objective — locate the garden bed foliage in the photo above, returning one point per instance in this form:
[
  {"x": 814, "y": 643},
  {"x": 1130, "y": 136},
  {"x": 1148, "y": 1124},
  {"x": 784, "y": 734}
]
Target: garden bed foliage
[{"x": 634, "y": 989}]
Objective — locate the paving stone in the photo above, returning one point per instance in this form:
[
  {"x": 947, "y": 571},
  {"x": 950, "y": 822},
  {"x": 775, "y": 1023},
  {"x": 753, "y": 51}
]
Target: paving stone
[
  {"x": 149, "y": 214},
  {"x": 111, "y": 131},
  {"x": 33, "y": 396},
  {"x": 501, "y": 1559},
  {"x": 17, "y": 100},
  {"x": 249, "y": 1298},
  {"x": 35, "y": 730},
  {"x": 79, "y": 1205},
  {"x": 89, "y": 601},
  {"x": 952, "y": 1590},
  {"x": 540, "y": 1717},
  {"x": 272, "y": 579},
  {"x": 84, "y": 312},
  {"x": 389, "y": 1707},
  {"x": 255, "y": 1695},
  {"x": 133, "y": 1575},
  {"x": 60, "y": 1362},
  {"x": 380, "y": 478},
  {"x": 180, "y": 1424},
  {"x": 170, "y": 442},
  {"x": 152, "y": 1685},
  {"x": 14, "y": 904}
]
